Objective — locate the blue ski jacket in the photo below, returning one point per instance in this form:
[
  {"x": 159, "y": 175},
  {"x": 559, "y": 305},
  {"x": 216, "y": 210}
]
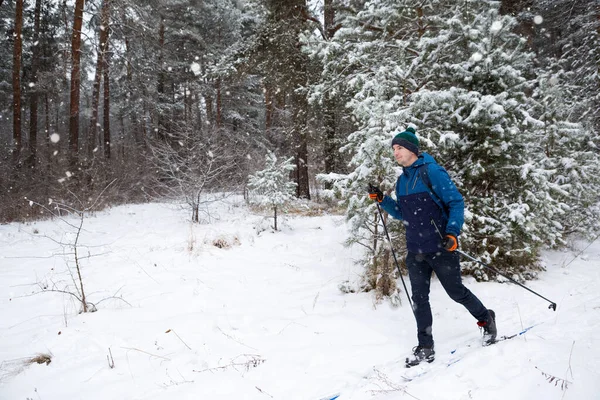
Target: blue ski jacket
[{"x": 420, "y": 205}]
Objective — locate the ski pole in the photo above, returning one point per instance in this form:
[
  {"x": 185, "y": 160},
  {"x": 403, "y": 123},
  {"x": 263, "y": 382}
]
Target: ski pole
[
  {"x": 552, "y": 305},
  {"x": 395, "y": 259}
]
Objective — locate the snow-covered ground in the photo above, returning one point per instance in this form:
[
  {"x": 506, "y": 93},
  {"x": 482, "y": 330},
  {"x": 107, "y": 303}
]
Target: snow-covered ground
[{"x": 180, "y": 318}]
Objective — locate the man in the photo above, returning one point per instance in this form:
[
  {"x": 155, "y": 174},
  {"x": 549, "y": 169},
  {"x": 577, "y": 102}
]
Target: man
[{"x": 432, "y": 209}]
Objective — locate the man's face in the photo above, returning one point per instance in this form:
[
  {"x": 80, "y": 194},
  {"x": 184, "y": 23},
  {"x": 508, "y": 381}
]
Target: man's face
[{"x": 404, "y": 156}]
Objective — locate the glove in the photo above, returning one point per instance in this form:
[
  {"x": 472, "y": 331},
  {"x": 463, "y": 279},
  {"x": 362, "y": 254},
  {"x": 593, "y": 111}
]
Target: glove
[
  {"x": 450, "y": 242},
  {"x": 375, "y": 193}
]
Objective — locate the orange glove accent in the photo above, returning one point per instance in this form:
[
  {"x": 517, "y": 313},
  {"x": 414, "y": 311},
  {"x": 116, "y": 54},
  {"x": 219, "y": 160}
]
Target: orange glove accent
[
  {"x": 375, "y": 196},
  {"x": 450, "y": 242},
  {"x": 375, "y": 193}
]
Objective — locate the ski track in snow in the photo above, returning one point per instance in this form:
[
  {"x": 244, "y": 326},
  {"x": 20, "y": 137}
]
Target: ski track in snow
[{"x": 265, "y": 318}]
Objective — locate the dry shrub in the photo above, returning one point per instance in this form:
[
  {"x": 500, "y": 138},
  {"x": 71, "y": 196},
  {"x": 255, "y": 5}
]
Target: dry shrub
[
  {"x": 312, "y": 209},
  {"x": 225, "y": 243},
  {"x": 12, "y": 368},
  {"x": 40, "y": 358}
]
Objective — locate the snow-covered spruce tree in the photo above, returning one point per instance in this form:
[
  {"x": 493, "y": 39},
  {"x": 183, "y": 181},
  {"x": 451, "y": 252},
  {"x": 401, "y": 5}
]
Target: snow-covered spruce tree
[
  {"x": 569, "y": 36},
  {"x": 272, "y": 186},
  {"x": 370, "y": 59},
  {"x": 566, "y": 161},
  {"x": 472, "y": 115},
  {"x": 478, "y": 119},
  {"x": 567, "y": 99},
  {"x": 458, "y": 72},
  {"x": 566, "y": 38}
]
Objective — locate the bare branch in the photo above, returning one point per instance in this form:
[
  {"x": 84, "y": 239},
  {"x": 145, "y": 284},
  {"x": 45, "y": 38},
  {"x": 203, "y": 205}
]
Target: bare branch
[
  {"x": 249, "y": 361},
  {"x": 111, "y": 361},
  {"x": 145, "y": 352},
  {"x": 100, "y": 195},
  {"x": 178, "y": 337}
]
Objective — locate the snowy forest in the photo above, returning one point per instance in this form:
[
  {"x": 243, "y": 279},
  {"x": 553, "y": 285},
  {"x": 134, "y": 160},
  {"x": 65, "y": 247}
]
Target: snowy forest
[{"x": 108, "y": 102}]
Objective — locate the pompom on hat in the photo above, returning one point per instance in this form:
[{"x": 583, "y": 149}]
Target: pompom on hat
[{"x": 408, "y": 140}]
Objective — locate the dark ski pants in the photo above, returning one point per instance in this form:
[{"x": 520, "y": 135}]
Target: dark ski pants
[{"x": 446, "y": 266}]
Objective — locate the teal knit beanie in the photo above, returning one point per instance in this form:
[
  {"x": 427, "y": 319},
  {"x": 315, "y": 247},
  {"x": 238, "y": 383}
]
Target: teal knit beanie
[{"x": 408, "y": 140}]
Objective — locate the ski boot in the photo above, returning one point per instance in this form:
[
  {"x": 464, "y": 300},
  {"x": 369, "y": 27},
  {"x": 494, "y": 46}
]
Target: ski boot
[
  {"x": 420, "y": 354},
  {"x": 489, "y": 328}
]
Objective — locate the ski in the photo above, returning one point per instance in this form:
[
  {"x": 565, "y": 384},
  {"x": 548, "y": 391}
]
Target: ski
[
  {"x": 331, "y": 397},
  {"x": 503, "y": 338},
  {"x": 455, "y": 356}
]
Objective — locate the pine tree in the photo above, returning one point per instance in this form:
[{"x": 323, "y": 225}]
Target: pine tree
[
  {"x": 276, "y": 54},
  {"x": 566, "y": 163},
  {"x": 464, "y": 78},
  {"x": 271, "y": 185},
  {"x": 74, "y": 107},
  {"x": 369, "y": 61},
  {"x": 16, "y": 81},
  {"x": 474, "y": 114},
  {"x": 495, "y": 139},
  {"x": 7, "y": 14},
  {"x": 574, "y": 27}
]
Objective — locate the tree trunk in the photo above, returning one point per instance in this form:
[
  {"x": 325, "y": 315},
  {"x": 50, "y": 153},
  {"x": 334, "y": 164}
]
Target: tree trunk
[
  {"x": 17, "y": 53},
  {"x": 525, "y": 27},
  {"x": 107, "y": 141},
  {"x": 100, "y": 63},
  {"x": 218, "y": 105},
  {"x": 75, "y": 82},
  {"x": 33, "y": 104},
  {"x": 138, "y": 130},
  {"x": 218, "y": 120},
  {"x": 330, "y": 104},
  {"x": 185, "y": 102},
  {"x": 268, "y": 108},
  {"x": 162, "y": 131},
  {"x": 299, "y": 132},
  {"x": 287, "y": 20},
  {"x": 208, "y": 100},
  {"x": 47, "y": 126},
  {"x": 296, "y": 15},
  {"x": 330, "y": 128},
  {"x": 302, "y": 189}
]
